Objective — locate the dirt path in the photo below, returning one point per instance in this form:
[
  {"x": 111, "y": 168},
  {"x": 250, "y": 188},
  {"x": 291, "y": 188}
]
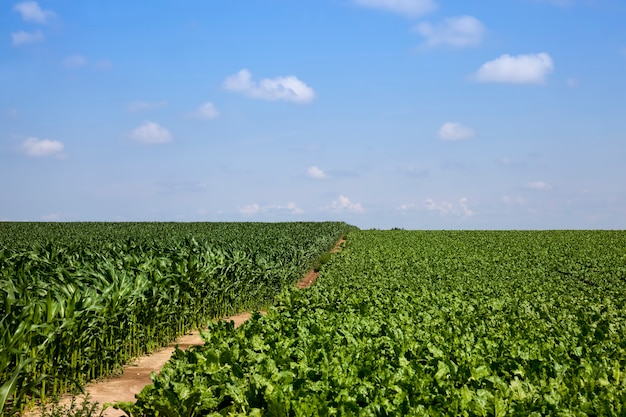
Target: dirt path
[
  {"x": 137, "y": 375},
  {"x": 311, "y": 277}
]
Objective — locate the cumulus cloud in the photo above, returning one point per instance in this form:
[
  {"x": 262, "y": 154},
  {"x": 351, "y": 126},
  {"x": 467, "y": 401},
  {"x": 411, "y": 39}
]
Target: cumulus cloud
[
  {"x": 538, "y": 185},
  {"x": 42, "y": 147},
  {"x": 31, "y": 12},
  {"x": 464, "y": 207},
  {"x": 407, "y": 206},
  {"x": 446, "y": 208},
  {"x": 458, "y": 31},
  {"x": 22, "y": 38},
  {"x": 151, "y": 132},
  {"x": 51, "y": 217},
  {"x": 139, "y": 105},
  {"x": 455, "y": 131},
  {"x": 410, "y": 8},
  {"x": 74, "y": 61},
  {"x": 252, "y": 209},
  {"x": 206, "y": 111},
  {"x": 344, "y": 204},
  {"x": 289, "y": 88},
  {"x": 443, "y": 207},
  {"x": 520, "y": 69},
  {"x": 316, "y": 173},
  {"x": 290, "y": 207}
]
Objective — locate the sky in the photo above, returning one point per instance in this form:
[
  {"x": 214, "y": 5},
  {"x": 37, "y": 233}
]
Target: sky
[{"x": 417, "y": 114}]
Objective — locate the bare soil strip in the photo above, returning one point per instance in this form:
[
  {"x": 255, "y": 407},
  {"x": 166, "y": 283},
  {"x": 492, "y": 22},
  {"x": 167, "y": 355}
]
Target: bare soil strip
[
  {"x": 311, "y": 277},
  {"x": 136, "y": 376},
  {"x": 308, "y": 280}
]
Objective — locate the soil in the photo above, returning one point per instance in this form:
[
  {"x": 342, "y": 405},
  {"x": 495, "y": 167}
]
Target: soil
[
  {"x": 308, "y": 280},
  {"x": 137, "y": 375},
  {"x": 311, "y": 277}
]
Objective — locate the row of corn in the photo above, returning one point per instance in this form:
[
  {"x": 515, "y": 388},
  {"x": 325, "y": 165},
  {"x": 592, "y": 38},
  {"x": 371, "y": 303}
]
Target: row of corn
[{"x": 76, "y": 307}]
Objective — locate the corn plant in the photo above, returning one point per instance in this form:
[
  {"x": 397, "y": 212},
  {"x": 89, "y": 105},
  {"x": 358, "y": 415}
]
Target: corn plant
[{"x": 78, "y": 300}]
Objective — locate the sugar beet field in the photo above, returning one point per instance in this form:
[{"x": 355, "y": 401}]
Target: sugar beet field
[{"x": 417, "y": 323}]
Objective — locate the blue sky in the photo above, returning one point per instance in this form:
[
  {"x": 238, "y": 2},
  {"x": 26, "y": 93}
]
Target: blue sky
[{"x": 421, "y": 114}]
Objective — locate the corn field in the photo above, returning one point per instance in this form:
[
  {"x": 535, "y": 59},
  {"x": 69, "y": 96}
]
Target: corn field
[{"x": 80, "y": 300}]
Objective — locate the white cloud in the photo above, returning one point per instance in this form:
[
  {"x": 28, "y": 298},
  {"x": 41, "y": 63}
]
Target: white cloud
[
  {"x": 151, "y": 132},
  {"x": 74, "y": 61},
  {"x": 290, "y": 207},
  {"x": 572, "y": 82},
  {"x": 407, "y": 206},
  {"x": 31, "y": 12},
  {"x": 288, "y": 88},
  {"x": 466, "y": 210},
  {"x": 455, "y": 131},
  {"x": 344, "y": 204},
  {"x": 316, "y": 173},
  {"x": 520, "y": 69},
  {"x": 42, "y": 147},
  {"x": 21, "y": 37},
  {"x": 139, "y": 105},
  {"x": 206, "y": 111},
  {"x": 252, "y": 209},
  {"x": 456, "y": 31},
  {"x": 410, "y": 8},
  {"x": 538, "y": 185},
  {"x": 445, "y": 208},
  {"x": 52, "y": 217}
]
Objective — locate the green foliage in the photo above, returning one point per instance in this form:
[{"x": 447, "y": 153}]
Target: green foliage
[
  {"x": 79, "y": 300},
  {"x": 324, "y": 258},
  {"x": 85, "y": 408},
  {"x": 425, "y": 324}
]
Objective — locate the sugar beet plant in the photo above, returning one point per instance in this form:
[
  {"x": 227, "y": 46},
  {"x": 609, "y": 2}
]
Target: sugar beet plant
[
  {"x": 424, "y": 324},
  {"x": 77, "y": 301}
]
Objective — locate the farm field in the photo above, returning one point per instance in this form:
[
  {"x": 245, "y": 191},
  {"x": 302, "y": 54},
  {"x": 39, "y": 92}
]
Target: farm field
[
  {"x": 79, "y": 300},
  {"x": 424, "y": 323}
]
